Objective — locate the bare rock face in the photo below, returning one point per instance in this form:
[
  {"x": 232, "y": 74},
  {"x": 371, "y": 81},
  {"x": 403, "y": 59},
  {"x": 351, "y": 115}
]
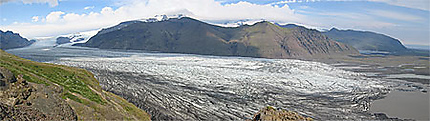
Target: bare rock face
[
  {"x": 272, "y": 114},
  {"x": 6, "y": 77},
  {"x": 22, "y": 100}
]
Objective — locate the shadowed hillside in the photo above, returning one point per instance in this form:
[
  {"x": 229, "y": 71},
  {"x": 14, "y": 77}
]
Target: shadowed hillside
[
  {"x": 363, "y": 40},
  {"x": 10, "y": 40},
  {"x": 187, "y": 35}
]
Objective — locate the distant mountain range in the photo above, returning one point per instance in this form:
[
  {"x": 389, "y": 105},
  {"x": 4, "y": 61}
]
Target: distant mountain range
[
  {"x": 420, "y": 47},
  {"x": 369, "y": 42},
  {"x": 361, "y": 40},
  {"x": 10, "y": 40},
  {"x": 263, "y": 39},
  {"x": 73, "y": 38},
  {"x": 187, "y": 35}
]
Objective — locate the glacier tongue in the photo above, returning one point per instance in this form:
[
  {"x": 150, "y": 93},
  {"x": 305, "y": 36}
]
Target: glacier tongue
[{"x": 231, "y": 88}]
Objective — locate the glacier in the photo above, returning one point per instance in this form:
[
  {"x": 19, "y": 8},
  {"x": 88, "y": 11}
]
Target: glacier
[
  {"x": 197, "y": 87},
  {"x": 173, "y": 86}
]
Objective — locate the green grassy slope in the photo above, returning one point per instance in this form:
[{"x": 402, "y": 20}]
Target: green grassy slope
[{"x": 81, "y": 90}]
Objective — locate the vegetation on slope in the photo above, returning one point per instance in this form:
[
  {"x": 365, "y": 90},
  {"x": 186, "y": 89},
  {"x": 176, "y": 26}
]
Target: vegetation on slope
[{"x": 79, "y": 87}]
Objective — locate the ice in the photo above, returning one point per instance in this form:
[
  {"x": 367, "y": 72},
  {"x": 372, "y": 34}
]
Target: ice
[
  {"x": 408, "y": 76},
  {"x": 232, "y": 88},
  {"x": 198, "y": 87}
]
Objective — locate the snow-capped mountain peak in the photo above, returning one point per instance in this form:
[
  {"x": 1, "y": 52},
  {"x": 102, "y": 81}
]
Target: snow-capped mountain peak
[
  {"x": 78, "y": 37},
  {"x": 237, "y": 23},
  {"x": 158, "y": 18}
]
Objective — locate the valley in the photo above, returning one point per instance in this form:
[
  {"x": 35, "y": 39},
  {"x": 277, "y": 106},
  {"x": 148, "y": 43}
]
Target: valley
[
  {"x": 194, "y": 87},
  {"x": 215, "y": 60}
]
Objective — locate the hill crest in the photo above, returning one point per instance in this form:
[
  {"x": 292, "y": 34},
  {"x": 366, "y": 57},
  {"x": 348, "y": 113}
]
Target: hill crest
[{"x": 188, "y": 35}]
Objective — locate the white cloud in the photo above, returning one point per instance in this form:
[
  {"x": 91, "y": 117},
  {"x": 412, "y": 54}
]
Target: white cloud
[
  {"x": 395, "y": 15},
  {"x": 295, "y": 1},
  {"x": 107, "y": 11},
  {"x": 416, "y": 4},
  {"x": 5, "y": 1},
  {"x": 88, "y": 7},
  {"x": 304, "y": 7},
  {"x": 54, "y": 17},
  {"x": 35, "y": 18},
  {"x": 59, "y": 22},
  {"x": 349, "y": 20},
  {"x": 52, "y": 3}
]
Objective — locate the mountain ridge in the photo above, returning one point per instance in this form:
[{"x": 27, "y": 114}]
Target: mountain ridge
[
  {"x": 10, "y": 40},
  {"x": 366, "y": 40},
  {"x": 188, "y": 35}
]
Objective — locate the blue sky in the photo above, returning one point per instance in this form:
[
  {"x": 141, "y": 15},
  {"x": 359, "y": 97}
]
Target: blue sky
[{"x": 407, "y": 20}]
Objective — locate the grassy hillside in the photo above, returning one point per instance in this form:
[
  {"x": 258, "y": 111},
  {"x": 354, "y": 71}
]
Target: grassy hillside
[{"x": 79, "y": 89}]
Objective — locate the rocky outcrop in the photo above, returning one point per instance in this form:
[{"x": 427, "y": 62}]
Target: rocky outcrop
[
  {"x": 187, "y": 35},
  {"x": 40, "y": 91},
  {"x": 22, "y": 100},
  {"x": 62, "y": 40},
  {"x": 71, "y": 38},
  {"x": 10, "y": 40},
  {"x": 271, "y": 114}
]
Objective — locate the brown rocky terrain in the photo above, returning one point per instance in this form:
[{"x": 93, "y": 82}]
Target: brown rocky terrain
[
  {"x": 187, "y": 35},
  {"x": 271, "y": 114},
  {"x": 22, "y": 100},
  {"x": 39, "y": 91}
]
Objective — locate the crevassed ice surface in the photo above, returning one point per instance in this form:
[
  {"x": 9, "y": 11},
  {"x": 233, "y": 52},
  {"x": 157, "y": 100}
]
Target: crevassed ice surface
[{"x": 179, "y": 87}]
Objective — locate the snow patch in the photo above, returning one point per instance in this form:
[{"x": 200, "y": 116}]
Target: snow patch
[{"x": 158, "y": 18}]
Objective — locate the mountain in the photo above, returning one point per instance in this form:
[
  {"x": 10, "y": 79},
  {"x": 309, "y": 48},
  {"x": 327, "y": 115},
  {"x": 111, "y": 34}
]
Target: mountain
[
  {"x": 290, "y": 26},
  {"x": 187, "y": 35},
  {"x": 74, "y": 37},
  {"x": 39, "y": 91},
  {"x": 62, "y": 40},
  {"x": 10, "y": 40},
  {"x": 364, "y": 40},
  {"x": 235, "y": 23}
]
